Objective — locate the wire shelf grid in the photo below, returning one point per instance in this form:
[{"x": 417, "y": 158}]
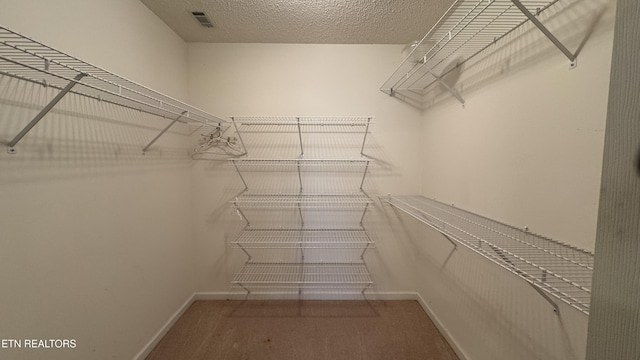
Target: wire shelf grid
[
  {"x": 302, "y": 201},
  {"x": 465, "y": 30},
  {"x": 30, "y": 60},
  {"x": 304, "y": 120},
  {"x": 303, "y": 238},
  {"x": 303, "y": 165},
  {"x": 307, "y": 275},
  {"x": 304, "y": 124},
  {"x": 561, "y": 270},
  {"x": 301, "y": 162}
]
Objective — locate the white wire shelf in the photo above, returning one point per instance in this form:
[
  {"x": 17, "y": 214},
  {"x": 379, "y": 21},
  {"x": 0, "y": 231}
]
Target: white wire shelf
[
  {"x": 307, "y": 163},
  {"x": 325, "y": 166},
  {"x": 305, "y": 121},
  {"x": 27, "y": 59},
  {"x": 302, "y": 201},
  {"x": 551, "y": 267},
  {"x": 303, "y": 238},
  {"x": 331, "y": 126},
  {"x": 304, "y": 124},
  {"x": 465, "y": 30},
  {"x": 303, "y": 275}
]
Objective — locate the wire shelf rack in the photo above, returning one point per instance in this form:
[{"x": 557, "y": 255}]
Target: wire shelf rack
[
  {"x": 302, "y": 201},
  {"x": 27, "y": 59},
  {"x": 332, "y": 126},
  {"x": 551, "y": 267},
  {"x": 303, "y": 275},
  {"x": 322, "y": 217},
  {"x": 346, "y": 121},
  {"x": 306, "y": 163},
  {"x": 303, "y": 238},
  {"x": 466, "y": 29}
]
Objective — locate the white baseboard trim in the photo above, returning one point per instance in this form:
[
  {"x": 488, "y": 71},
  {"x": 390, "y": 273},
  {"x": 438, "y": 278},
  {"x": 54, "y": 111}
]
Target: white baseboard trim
[
  {"x": 222, "y": 295},
  {"x": 443, "y": 330},
  {"x": 146, "y": 350},
  {"x": 368, "y": 295}
]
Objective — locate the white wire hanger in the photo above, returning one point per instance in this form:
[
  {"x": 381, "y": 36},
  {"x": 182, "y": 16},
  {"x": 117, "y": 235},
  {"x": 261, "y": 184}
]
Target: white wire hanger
[{"x": 217, "y": 144}]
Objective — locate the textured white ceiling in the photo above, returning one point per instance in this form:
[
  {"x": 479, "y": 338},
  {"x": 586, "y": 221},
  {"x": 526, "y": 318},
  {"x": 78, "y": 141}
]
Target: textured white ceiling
[{"x": 302, "y": 21}]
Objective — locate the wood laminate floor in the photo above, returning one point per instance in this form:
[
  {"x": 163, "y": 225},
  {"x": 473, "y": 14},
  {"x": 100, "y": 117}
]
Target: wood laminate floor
[{"x": 300, "y": 330}]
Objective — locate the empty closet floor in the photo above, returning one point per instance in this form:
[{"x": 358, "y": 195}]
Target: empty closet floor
[{"x": 301, "y": 330}]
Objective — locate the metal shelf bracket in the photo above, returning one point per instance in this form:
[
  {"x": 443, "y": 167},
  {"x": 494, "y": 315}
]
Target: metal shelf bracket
[
  {"x": 144, "y": 150},
  {"x": 556, "y": 309},
  {"x": 452, "y": 90},
  {"x": 300, "y": 137},
  {"x": 235, "y": 126},
  {"x": 246, "y": 187},
  {"x": 571, "y": 56},
  {"x": 364, "y": 140},
  {"x": 11, "y": 145},
  {"x": 422, "y": 218}
]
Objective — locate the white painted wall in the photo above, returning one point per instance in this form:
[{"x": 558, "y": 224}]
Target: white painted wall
[
  {"x": 525, "y": 150},
  {"x": 96, "y": 239},
  {"x": 330, "y": 80}
]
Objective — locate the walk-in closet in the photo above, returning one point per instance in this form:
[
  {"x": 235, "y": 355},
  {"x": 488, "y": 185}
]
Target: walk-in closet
[{"x": 331, "y": 179}]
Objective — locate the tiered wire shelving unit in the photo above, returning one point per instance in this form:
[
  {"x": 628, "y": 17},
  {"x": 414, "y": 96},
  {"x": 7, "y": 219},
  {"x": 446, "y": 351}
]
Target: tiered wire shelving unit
[
  {"x": 26, "y": 59},
  {"x": 260, "y": 275},
  {"x": 555, "y": 270},
  {"x": 466, "y": 29}
]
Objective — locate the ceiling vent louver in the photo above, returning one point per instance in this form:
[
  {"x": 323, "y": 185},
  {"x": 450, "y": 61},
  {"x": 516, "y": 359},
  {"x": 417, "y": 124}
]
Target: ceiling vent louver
[{"x": 202, "y": 18}]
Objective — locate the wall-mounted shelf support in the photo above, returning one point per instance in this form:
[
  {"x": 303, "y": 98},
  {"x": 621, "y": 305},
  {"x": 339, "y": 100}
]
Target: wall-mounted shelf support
[
  {"x": 246, "y": 187},
  {"x": 364, "y": 140},
  {"x": 301, "y": 216},
  {"x": 364, "y": 212},
  {"x": 241, "y": 214},
  {"x": 364, "y": 251},
  {"x": 245, "y": 251},
  {"x": 299, "y": 177},
  {"x": 418, "y": 215},
  {"x": 364, "y": 175},
  {"x": 544, "y": 295},
  {"x": 144, "y": 150},
  {"x": 300, "y": 138},
  {"x": 11, "y": 146},
  {"x": 235, "y": 126},
  {"x": 526, "y": 276},
  {"x": 571, "y": 56},
  {"x": 452, "y": 90}
]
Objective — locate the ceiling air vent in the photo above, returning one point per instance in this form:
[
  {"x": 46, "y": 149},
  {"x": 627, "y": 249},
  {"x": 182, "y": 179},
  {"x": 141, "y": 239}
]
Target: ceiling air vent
[{"x": 202, "y": 18}]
